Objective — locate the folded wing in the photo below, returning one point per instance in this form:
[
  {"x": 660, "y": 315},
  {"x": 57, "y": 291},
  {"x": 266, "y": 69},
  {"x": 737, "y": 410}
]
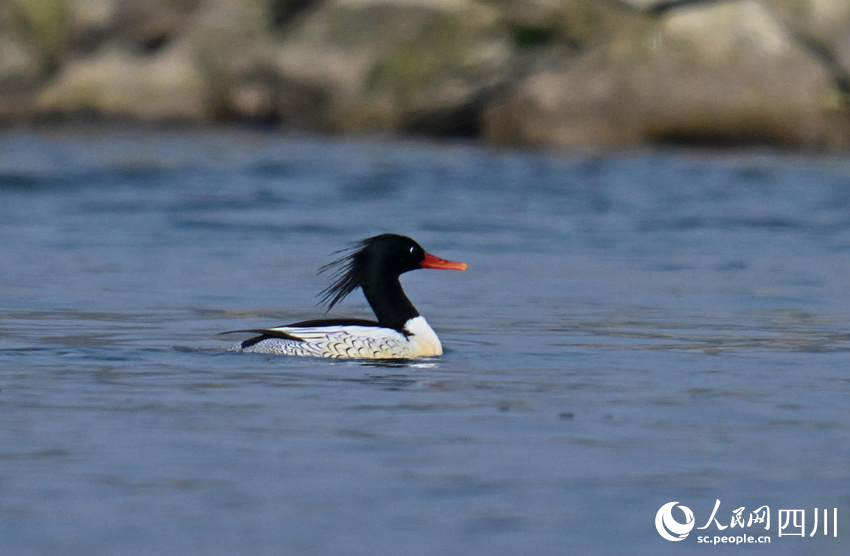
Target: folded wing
[{"x": 348, "y": 341}]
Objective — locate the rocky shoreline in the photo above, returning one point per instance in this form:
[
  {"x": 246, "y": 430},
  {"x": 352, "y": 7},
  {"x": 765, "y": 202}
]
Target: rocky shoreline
[{"x": 552, "y": 73}]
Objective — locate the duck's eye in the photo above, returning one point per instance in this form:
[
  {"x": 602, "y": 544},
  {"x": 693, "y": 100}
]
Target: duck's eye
[{"x": 412, "y": 250}]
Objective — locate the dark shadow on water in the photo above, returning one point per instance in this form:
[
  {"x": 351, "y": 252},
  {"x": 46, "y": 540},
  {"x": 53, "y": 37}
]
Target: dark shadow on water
[{"x": 387, "y": 363}]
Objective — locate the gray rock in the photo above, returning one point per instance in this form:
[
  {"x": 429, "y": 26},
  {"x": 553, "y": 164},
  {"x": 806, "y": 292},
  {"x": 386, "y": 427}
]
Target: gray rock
[
  {"x": 571, "y": 73},
  {"x": 387, "y": 65},
  {"x": 115, "y": 82},
  {"x": 823, "y": 26},
  {"x": 92, "y": 23},
  {"x": 148, "y": 25},
  {"x": 716, "y": 73}
]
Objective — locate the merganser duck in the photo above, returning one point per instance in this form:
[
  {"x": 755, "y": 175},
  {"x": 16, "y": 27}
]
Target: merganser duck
[{"x": 400, "y": 331}]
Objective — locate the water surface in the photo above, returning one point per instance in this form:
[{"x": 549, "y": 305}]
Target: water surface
[{"x": 634, "y": 329}]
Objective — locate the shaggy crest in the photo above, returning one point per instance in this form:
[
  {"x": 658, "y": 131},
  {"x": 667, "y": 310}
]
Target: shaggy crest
[{"x": 347, "y": 274}]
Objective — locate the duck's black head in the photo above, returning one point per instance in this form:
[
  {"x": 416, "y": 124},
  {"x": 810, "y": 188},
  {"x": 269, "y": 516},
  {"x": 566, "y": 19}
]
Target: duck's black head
[{"x": 375, "y": 264}]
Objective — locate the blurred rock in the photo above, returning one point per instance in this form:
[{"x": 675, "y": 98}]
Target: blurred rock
[
  {"x": 574, "y": 23},
  {"x": 91, "y": 24},
  {"x": 148, "y": 25},
  {"x": 34, "y": 34},
  {"x": 115, "y": 82},
  {"x": 821, "y": 25},
  {"x": 20, "y": 65},
  {"x": 384, "y": 64},
  {"x": 713, "y": 73},
  {"x": 229, "y": 42},
  {"x": 265, "y": 96},
  {"x": 753, "y": 82},
  {"x": 284, "y": 12},
  {"x": 571, "y": 73},
  {"x": 235, "y": 45}
]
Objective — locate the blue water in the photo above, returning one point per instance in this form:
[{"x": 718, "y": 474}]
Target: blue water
[{"x": 634, "y": 329}]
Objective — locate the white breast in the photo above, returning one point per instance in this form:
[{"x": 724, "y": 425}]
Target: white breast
[{"x": 423, "y": 339}]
